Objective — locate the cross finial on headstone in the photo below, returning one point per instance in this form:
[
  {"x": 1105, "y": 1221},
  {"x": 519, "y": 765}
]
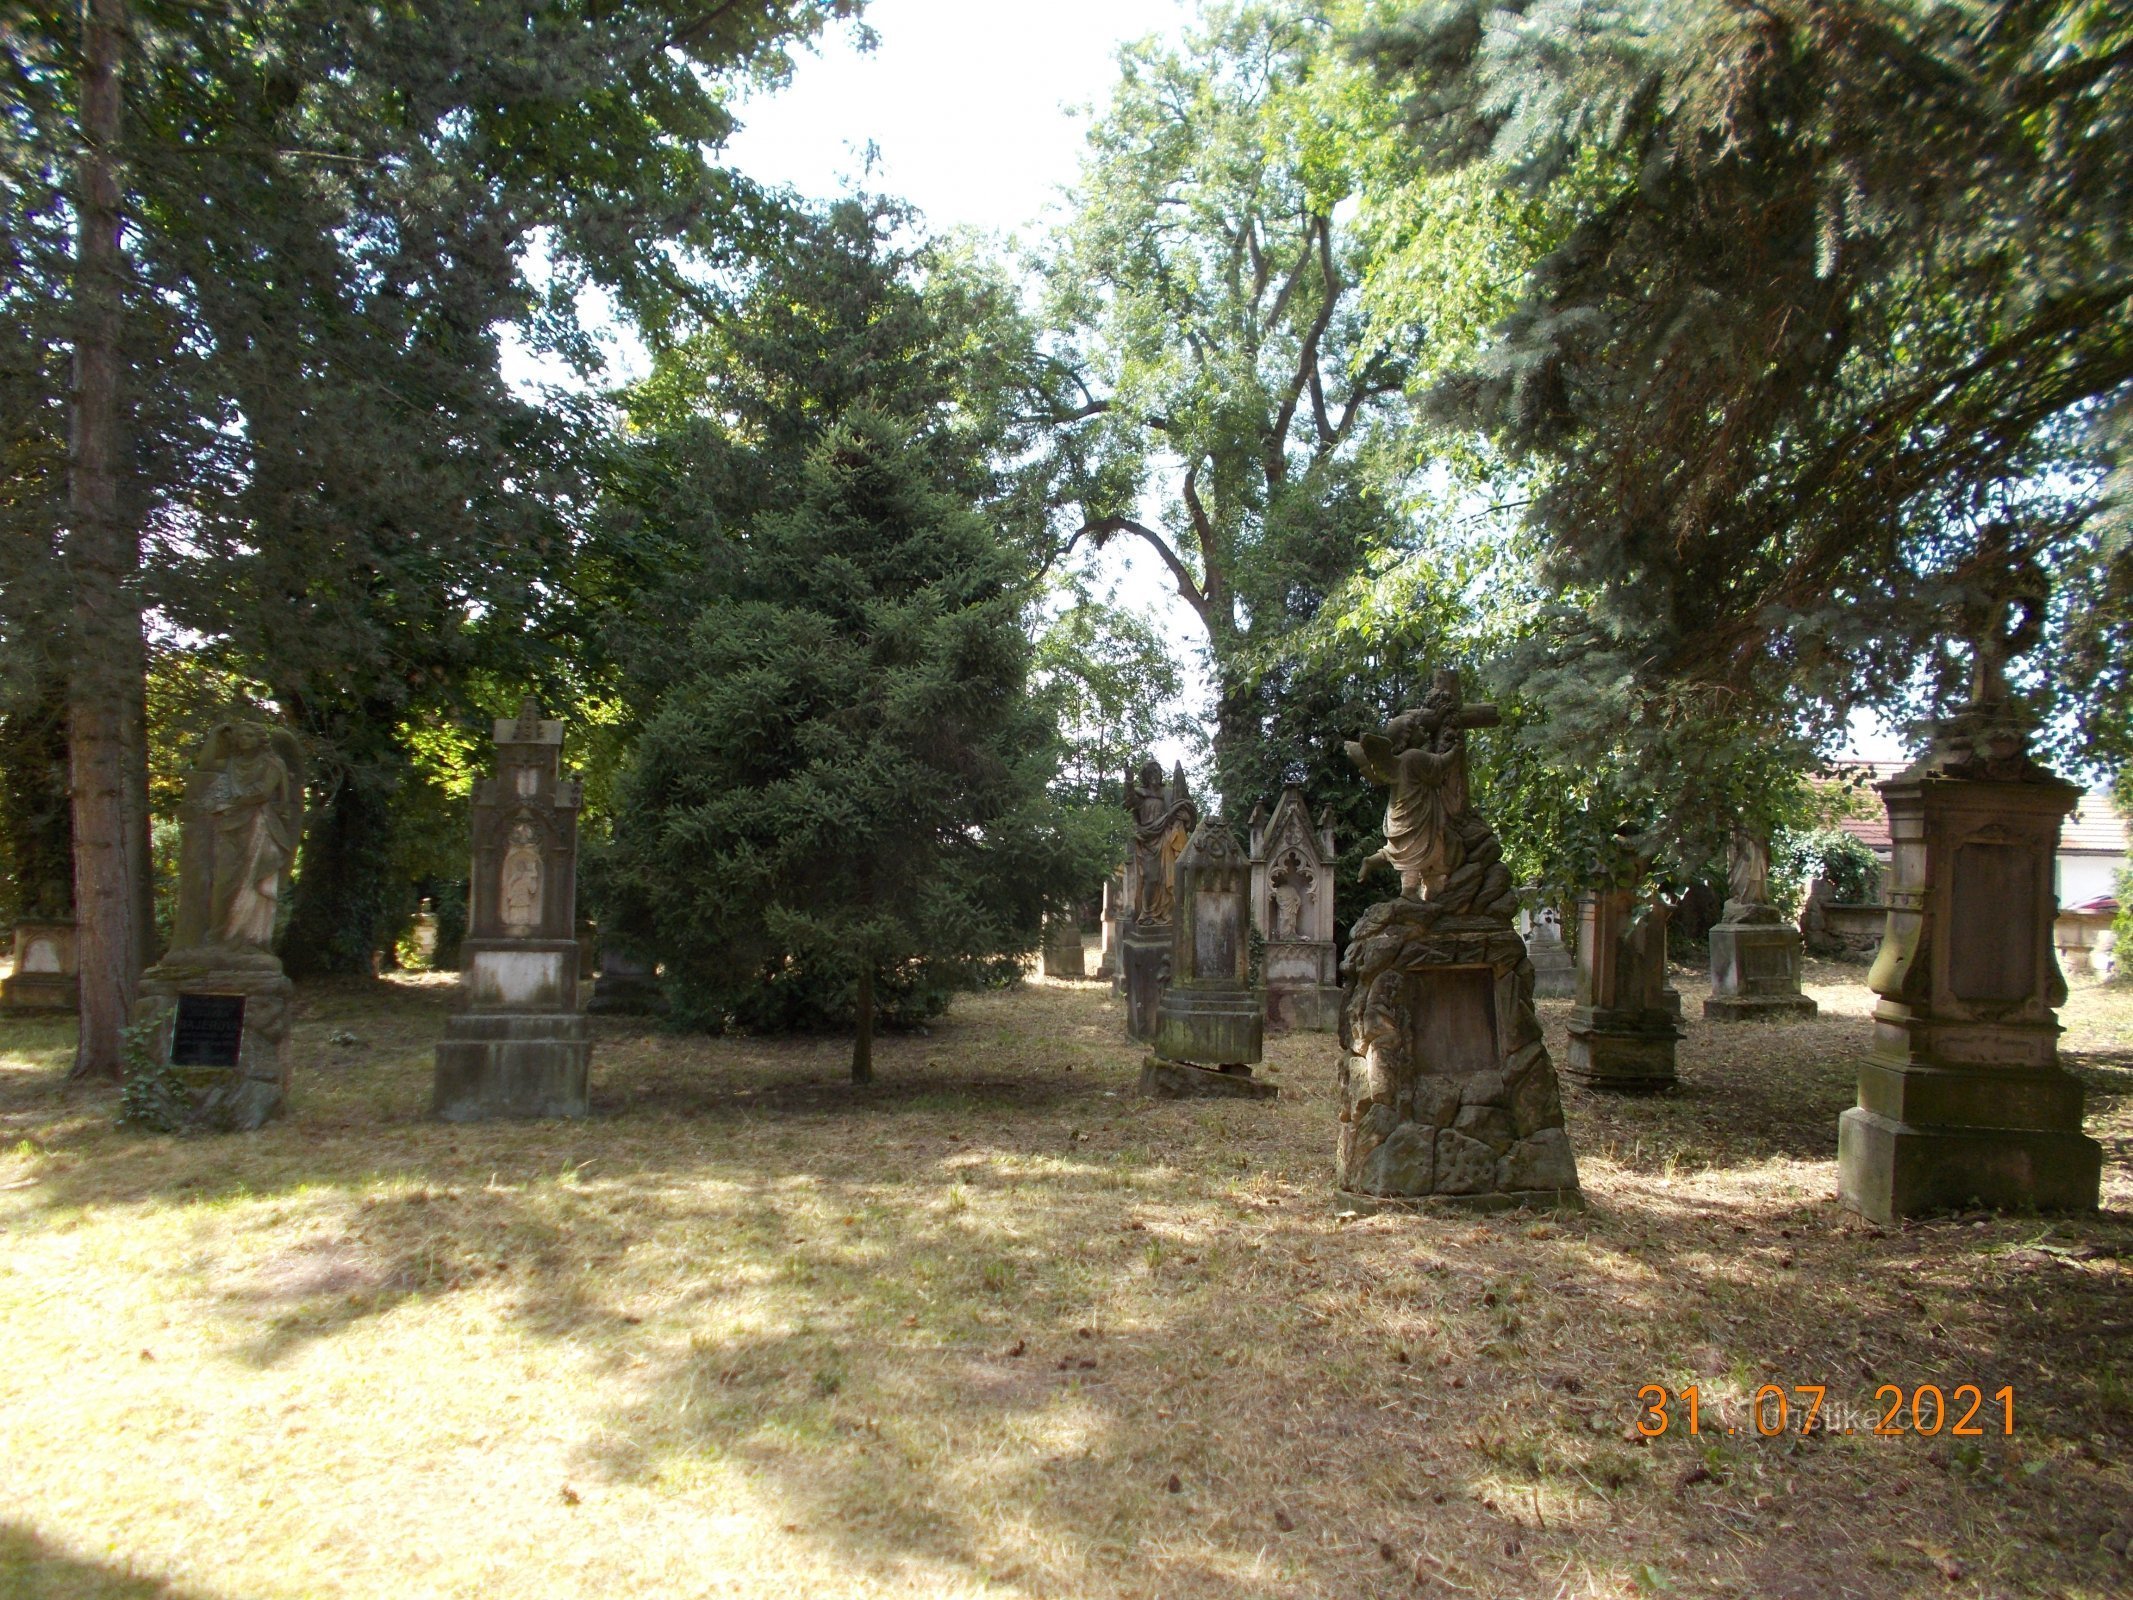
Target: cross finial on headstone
[{"x": 528, "y": 730}]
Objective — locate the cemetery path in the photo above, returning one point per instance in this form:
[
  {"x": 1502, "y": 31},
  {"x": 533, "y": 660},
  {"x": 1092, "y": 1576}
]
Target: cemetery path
[{"x": 994, "y": 1326}]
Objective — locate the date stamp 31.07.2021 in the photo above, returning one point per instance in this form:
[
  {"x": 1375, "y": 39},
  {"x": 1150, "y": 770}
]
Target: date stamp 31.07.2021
[{"x": 1965, "y": 1411}]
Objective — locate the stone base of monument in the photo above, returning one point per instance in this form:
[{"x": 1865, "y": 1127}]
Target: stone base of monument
[
  {"x": 1555, "y": 974},
  {"x": 1064, "y": 955},
  {"x": 44, "y": 976},
  {"x": 504, "y": 1064},
  {"x": 1181, "y": 1080},
  {"x": 519, "y": 974},
  {"x": 1367, "y": 1205},
  {"x": 1629, "y": 1053},
  {"x": 1312, "y": 1010},
  {"x": 1888, "y": 1170},
  {"x": 1301, "y": 988},
  {"x": 1755, "y": 972},
  {"x": 40, "y": 991},
  {"x": 1144, "y": 973},
  {"x": 221, "y": 1027},
  {"x": 1203, "y": 1022}
]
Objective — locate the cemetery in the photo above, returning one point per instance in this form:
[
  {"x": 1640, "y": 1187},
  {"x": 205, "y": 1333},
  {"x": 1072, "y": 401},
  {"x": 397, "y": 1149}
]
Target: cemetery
[{"x": 1381, "y": 855}]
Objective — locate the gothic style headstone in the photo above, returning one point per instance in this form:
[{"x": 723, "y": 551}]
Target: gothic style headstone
[
  {"x": 46, "y": 975},
  {"x": 1210, "y": 1023},
  {"x": 1446, "y": 1088},
  {"x": 1555, "y": 974},
  {"x": 1627, "y": 1019},
  {"x": 1163, "y": 820},
  {"x": 1755, "y": 952},
  {"x": 518, "y": 1045},
  {"x": 1063, "y": 955},
  {"x": 1962, "y": 1099},
  {"x": 1292, "y": 907},
  {"x": 216, "y": 1008}
]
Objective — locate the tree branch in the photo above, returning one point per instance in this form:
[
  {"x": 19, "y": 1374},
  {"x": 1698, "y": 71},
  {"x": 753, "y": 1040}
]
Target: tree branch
[{"x": 1100, "y": 529}]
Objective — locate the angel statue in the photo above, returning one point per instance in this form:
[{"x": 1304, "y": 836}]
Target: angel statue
[
  {"x": 1420, "y": 756},
  {"x": 244, "y": 813},
  {"x": 1163, "y": 820}
]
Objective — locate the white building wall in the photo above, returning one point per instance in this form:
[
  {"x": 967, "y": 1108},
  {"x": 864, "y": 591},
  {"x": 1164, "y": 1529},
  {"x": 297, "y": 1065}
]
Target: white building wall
[{"x": 2088, "y": 877}]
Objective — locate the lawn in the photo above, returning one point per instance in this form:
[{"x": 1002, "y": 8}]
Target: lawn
[{"x": 997, "y": 1327}]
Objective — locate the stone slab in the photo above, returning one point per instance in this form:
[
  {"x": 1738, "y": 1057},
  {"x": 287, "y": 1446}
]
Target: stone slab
[
  {"x": 1633, "y": 1063},
  {"x": 1760, "y": 1007},
  {"x": 41, "y": 991},
  {"x": 1179, "y": 1080}
]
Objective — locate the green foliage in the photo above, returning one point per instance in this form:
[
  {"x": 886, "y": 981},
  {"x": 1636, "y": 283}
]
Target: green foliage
[
  {"x": 1799, "y": 856},
  {"x": 848, "y": 774},
  {"x": 2122, "y": 932},
  {"x": 152, "y": 1096}
]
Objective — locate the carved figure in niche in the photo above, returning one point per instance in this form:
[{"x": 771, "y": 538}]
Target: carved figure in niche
[
  {"x": 1162, "y": 826},
  {"x": 1420, "y": 756},
  {"x": 521, "y": 887},
  {"x": 253, "y": 803},
  {"x": 1291, "y": 885}
]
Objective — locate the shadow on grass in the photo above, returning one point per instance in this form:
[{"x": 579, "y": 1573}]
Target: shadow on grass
[{"x": 32, "y": 1569}]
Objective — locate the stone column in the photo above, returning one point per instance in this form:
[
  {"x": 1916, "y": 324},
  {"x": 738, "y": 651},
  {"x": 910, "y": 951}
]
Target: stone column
[
  {"x": 1211, "y": 1022},
  {"x": 519, "y": 1046},
  {"x": 1622, "y": 1029},
  {"x": 1962, "y": 1099}
]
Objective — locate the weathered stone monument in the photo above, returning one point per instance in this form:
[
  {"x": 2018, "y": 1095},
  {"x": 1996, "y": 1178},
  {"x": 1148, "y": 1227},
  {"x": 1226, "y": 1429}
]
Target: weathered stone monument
[
  {"x": 518, "y": 1045},
  {"x": 1210, "y": 1022},
  {"x": 46, "y": 975},
  {"x": 215, "y": 1009},
  {"x": 1063, "y": 955},
  {"x": 1962, "y": 1099},
  {"x": 626, "y": 985},
  {"x": 1755, "y": 952},
  {"x": 1555, "y": 974},
  {"x": 1163, "y": 820},
  {"x": 1627, "y": 1020},
  {"x": 1292, "y": 907},
  {"x": 1447, "y": 1093},
  {"x": 1113, "y": 910}
]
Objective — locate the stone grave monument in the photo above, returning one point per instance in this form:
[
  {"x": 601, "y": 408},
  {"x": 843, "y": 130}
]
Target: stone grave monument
[
  {"x": 1626, "y": 1022},
  {"x": 1063, "y": 955},
  {"x": 1292, "y": 907},
  {"x": 1210, "y": 1023},
  {"x": 1163, "y": 819},
  {"x": 1447, "y": 1094},
  {"x": 1555, "y": 974},
  {"x": 518, "y": 1045},
  {"x": 46, "y": 975},
  {"x": 1755, "y": 952},
  {"x": 1107, "y": 951},
  {"x": 1962, "y": 1099},
  {"x": 626, "y": 985},
  {"x": 215, "y": 1009}
]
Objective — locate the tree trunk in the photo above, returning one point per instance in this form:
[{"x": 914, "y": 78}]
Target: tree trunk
[
  {"x": 345, "y": 888},
  {"x": 863, "y": 1039},
  {"x": 108, "y": 743}
]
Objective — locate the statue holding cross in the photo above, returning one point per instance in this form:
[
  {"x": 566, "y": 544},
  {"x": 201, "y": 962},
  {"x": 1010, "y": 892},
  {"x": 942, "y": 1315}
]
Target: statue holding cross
[{"x": 1420, "y": 756}]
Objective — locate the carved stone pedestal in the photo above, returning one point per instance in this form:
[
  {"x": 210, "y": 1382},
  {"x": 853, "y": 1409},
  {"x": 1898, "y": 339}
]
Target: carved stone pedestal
[
  {"x": 519, "y": 1046},
  {"x": 45, "y": 974},
  {"x": 1755, "y": 970},
  {"x": 1623, "y": 1029},
  {"x": 220, "y": 1023},
  {"x": 1144, "y": 972},
  {"x": 1962, "y": 1100}
]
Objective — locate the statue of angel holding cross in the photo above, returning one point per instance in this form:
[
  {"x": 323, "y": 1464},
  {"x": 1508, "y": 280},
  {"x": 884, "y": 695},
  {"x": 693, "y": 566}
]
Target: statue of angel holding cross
[{"x": 1420, "y": 755}]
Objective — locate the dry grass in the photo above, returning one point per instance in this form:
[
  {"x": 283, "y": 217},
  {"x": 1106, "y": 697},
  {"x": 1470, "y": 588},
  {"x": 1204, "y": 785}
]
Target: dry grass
[{"x": 996, "y": 1327}]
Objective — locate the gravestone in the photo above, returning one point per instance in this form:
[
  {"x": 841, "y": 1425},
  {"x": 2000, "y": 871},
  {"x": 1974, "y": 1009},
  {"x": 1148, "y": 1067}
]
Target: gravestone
[
  {"x": 626, "y": 984},
  {"x": 1555, "y": 974},
  {"x": 1063, "y": 955},
  {"x": 1446, "y": 1091},
  {"x": 215, "y": 1011},
  {"x": 1211, "y": 1022},
  {"x": 46, "y": 976},
  {"x": 1163, "y": 819},
  {"x": 1113, "y": 907},
  {"x": 1292, "y": 907},
  {"x": 1962, "y": 1099},
  {"x": 1627, "y": 1018},
  {"x": 1755, "y": 952},
  {"x": 518, "y": 1045}
]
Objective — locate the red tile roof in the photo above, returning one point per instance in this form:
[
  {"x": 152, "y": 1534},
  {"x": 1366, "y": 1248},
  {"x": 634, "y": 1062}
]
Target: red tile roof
[{"x": 2095, "y": 828}]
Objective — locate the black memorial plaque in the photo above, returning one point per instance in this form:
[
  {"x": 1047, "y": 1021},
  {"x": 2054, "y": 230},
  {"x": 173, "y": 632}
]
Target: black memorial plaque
[{"x": 209, "y": 1031}]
